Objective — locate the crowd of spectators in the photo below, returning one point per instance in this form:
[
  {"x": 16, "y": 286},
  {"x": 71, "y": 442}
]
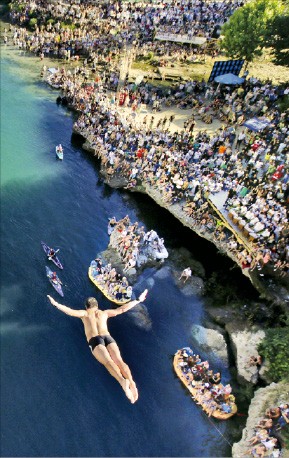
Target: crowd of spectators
[
  {"x": 208, "y": 391},
  {"x": 183, "y": 167},
  {"x": 267, "y": 440},
  {"x": 125, "y": 21},
  {"x": 99, "y": 31},
  {"x": 135, "y": 246},
  {"x": 186, "y": 168},
  {"x": 112, "y": 282}
]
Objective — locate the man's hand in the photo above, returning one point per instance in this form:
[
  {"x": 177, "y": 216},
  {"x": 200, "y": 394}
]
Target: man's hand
[
  {"x": 53, "y": 301},
  {"x": 143, "y": 295}
]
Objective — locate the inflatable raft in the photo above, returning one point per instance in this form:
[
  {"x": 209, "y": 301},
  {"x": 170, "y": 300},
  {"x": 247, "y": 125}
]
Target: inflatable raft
[
  {"x": 217, "y": 412},
  {"x": 103, "y": 288}
]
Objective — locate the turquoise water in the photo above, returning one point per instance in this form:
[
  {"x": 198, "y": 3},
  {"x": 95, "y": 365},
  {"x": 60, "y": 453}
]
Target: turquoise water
[{"x": 56, "y": 400}]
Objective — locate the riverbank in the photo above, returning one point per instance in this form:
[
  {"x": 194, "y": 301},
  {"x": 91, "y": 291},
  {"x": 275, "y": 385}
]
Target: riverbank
[
  {"x": 271, "y": 290},
  {"x": 270, "y": 285}
]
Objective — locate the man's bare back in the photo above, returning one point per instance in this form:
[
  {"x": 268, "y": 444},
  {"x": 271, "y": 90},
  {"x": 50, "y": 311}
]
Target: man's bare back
[
  {"x": 102, "y": 345},
  {"x": 95, "y": 323}
]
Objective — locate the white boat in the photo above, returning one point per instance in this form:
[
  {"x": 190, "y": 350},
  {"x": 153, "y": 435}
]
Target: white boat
[{"x": 59, "y": 151}]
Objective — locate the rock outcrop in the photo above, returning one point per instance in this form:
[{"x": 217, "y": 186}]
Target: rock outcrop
[
  {"x": 150, "y": 251},
  {"x": 271, "y": 396},
  {"x": 210, "y": 339},
  {"x": 244, "y": 344},
  {"x": 195, "y": 286},
  {"x": 273, "y": 290}
]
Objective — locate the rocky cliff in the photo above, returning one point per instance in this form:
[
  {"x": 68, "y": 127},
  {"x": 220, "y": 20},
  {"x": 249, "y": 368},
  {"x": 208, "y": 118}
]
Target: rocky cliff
[{"x": 271, "y": 396}]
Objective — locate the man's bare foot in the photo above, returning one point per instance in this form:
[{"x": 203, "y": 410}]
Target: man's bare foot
[
  {"x": 134, "y": 390},
  {"x": 126, "y": 387}
]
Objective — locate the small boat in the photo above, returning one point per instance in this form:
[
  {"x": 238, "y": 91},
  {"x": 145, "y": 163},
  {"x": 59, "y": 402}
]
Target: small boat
[
  {"x": 193, "y": 386},
  {"x": 95, "y": 277},
  {"x": 56, "y": 283},
  {"x": 59, "y": 151},
  {"x": 54, "y": 258}
]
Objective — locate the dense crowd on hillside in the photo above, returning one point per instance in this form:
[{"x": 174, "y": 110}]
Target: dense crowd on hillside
[
  {"x": 99, "y": 31},
  {"x": 129, "y": 21},
  {"x": 184, "y": 167}
]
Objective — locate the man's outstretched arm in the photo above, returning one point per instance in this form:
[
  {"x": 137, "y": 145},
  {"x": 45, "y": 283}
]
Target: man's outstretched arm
[
  {"x": 67, "y": 310},
  {"x": 124, "y": 308}
]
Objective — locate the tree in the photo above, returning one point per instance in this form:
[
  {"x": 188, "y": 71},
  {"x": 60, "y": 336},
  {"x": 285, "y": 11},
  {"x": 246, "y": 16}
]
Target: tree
[
  {"x": 275, "y": 349},
  {"x": 278, "y": 37},
  {"x": 33, "y": 23},
  {"x": 244, "y": 35}
]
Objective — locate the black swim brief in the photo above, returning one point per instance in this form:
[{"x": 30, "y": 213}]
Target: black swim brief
[{"x": 100, "y": 340}]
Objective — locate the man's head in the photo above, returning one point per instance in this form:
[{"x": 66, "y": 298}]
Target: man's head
[{"x": 90, "y": 303}]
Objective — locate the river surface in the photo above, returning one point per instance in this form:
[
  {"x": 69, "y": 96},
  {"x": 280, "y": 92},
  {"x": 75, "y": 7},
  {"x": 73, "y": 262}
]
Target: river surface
[{"x": 56, "y": 400}]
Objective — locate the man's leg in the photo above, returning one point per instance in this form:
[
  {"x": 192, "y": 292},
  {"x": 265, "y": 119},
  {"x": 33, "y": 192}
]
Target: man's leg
[
  {"x": 123, "y": 367},
  {"x": 102, "y": 355}
]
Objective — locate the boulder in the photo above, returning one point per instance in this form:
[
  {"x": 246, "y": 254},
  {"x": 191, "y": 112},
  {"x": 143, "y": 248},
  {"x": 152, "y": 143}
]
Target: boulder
[
  {"x": 141, "y": 317},
  {"x": 182, "y": 257},
  {"x": 264, "y": 398},
  {"x": 193, "y": 286},
  {"x": 152, "y": 254},
  {"x": 210, "y": 339},
  {"x": 244, "y": 344}
]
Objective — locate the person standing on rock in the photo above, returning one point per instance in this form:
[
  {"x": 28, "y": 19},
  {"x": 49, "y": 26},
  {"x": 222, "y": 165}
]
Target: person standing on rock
[
  {"x": 186, "y": 273},
  {"x": 102, "y": 345}
]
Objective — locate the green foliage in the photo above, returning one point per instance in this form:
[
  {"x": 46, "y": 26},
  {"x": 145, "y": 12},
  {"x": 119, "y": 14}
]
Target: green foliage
[
  {"x": 33, "y": 23},
  {"x": 278, "y": 39},
  {"x": 275, "y": 349},
  {"x": 67, "y": 25},
  {"x": 284, "y": 103},
  {"x": 244, "y": 34},
  {"x": 150, "y": 56},
  {"x": 32, "y": 14},
  {"x": 17, "y": 7}
]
